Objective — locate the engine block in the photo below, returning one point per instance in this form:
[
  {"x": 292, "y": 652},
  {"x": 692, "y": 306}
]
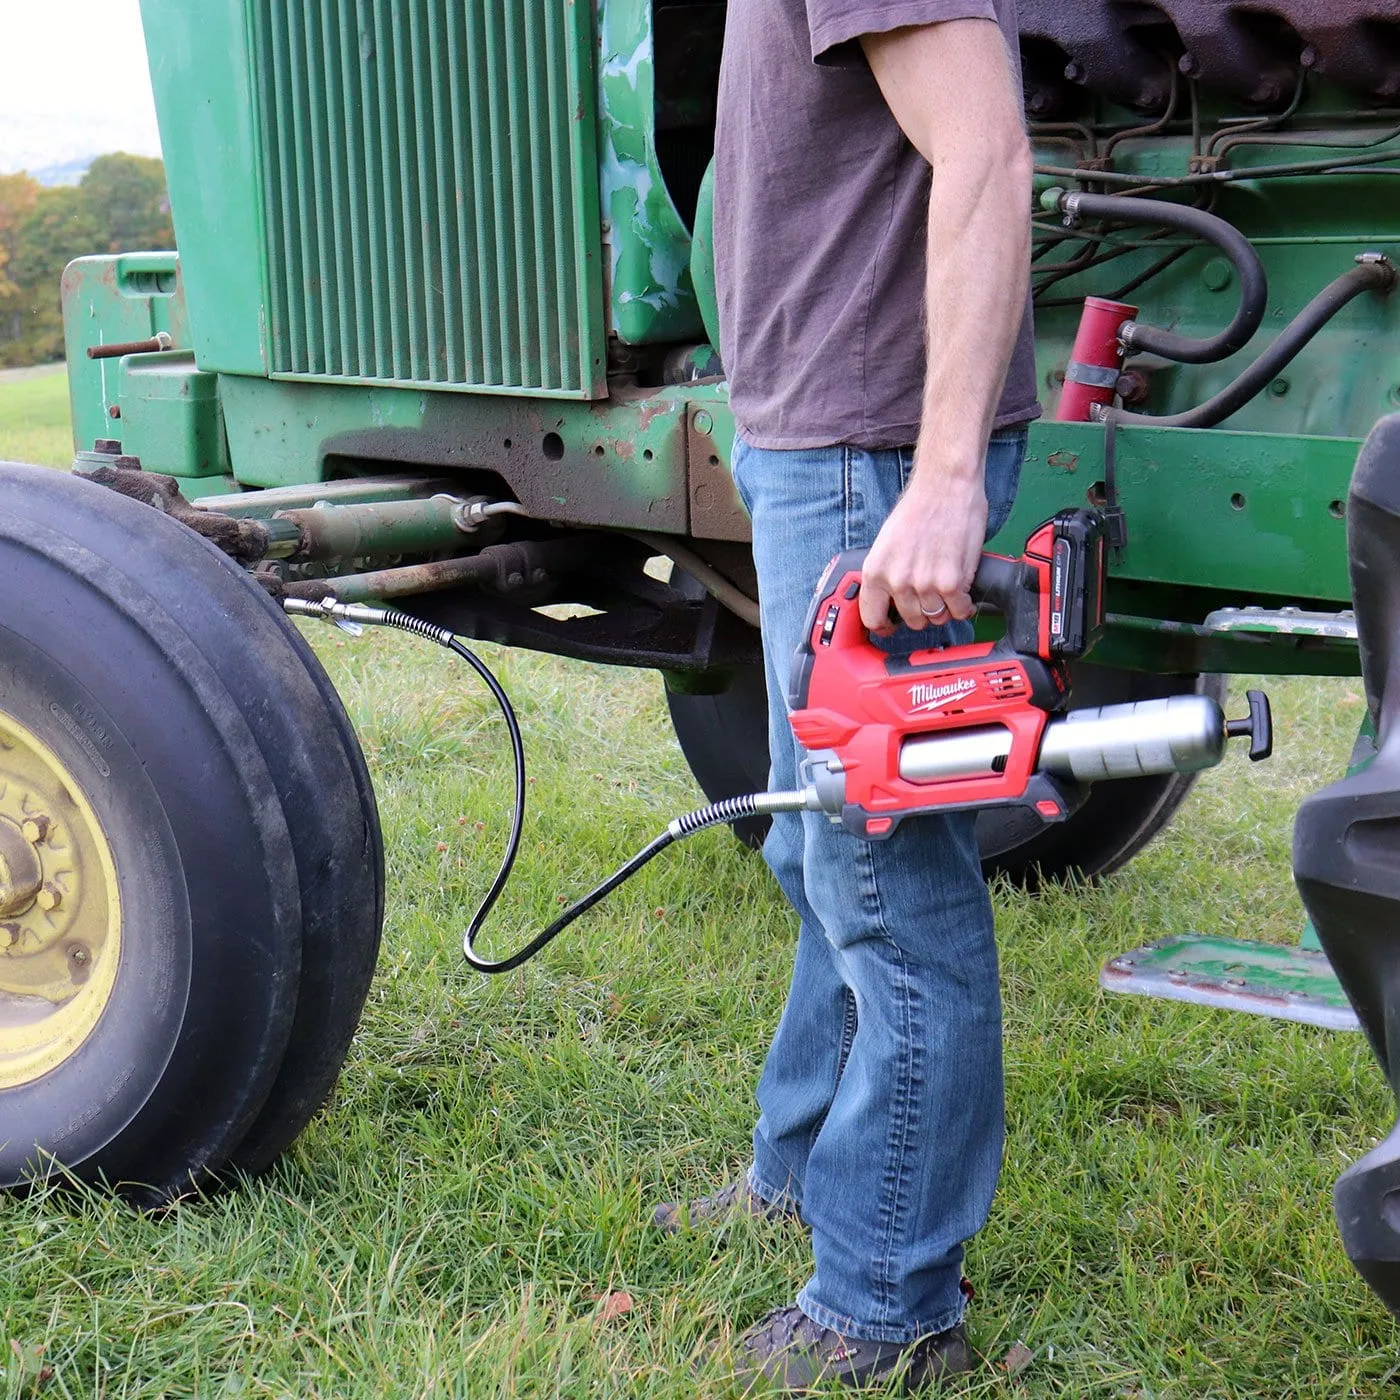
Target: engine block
[{"x": 1251, "y": 52}]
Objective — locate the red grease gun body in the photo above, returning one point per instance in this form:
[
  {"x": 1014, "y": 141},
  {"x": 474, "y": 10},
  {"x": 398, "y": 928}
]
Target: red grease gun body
[{"x": 944, "y": 729}]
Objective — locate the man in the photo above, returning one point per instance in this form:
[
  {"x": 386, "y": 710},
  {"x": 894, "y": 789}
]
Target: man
[{"x": 881, "y": 1099}]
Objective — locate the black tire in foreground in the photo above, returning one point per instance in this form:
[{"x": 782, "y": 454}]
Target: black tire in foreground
[
  {"x": 191, "y": 870},
  {"x": 725, "y": 741}
]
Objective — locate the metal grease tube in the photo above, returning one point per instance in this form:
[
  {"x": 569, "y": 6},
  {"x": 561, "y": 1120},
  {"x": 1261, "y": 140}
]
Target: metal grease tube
[{"x": 1178, "y": 734}]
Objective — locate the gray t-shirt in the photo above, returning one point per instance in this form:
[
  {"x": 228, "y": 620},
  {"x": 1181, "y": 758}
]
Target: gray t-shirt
[{"x": 821, "y": 210}]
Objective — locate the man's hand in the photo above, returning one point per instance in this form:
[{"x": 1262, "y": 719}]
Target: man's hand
[
  {"x": 950, "y": 87},
  {"x": 925, "y": 555}
]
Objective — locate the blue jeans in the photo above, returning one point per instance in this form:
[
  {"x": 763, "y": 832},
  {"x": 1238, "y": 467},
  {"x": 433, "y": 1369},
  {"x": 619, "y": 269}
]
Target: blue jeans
[{"x": 881, "y": 1098}]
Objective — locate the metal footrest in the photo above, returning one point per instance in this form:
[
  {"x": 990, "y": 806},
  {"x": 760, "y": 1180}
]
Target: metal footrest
[
  {"x": 1291, "y": 622},
  {"x": 1290, "y": 984}
]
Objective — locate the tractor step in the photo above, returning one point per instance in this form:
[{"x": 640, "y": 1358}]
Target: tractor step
[
  {"x": 1288, "y": 983},
  {"x": 1292, "y": 622}
]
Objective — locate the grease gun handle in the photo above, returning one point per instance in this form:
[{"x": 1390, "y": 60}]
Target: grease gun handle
[
  {"x": 1000, "y": 583},
  {"x": 1010, "y": 587},
  {"x": 1259, "y": 726},
  {"x": 997, "y": 582}
]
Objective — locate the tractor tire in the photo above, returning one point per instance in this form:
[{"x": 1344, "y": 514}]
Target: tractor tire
[
  {"x": 724, "y": 739},
  {"x": 191, "y": 880},
  {"x": 340, "y": 864}
]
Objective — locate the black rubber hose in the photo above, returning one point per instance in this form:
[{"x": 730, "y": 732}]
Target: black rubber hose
[
  {"x": 1366, "y": 277},
  {"x": 729, "y": 809},
  {"x": 1254, "y": 285}
]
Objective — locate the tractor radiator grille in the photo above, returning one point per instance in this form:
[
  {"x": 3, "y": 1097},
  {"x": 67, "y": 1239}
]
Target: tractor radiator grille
[{"x": 429, "y": 192}]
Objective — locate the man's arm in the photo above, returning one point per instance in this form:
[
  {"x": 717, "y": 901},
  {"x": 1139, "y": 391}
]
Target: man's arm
[{"x": 951, "y": 89}]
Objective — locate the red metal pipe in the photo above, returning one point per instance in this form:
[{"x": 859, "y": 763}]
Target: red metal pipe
[{"x": 1091, "y": 377}]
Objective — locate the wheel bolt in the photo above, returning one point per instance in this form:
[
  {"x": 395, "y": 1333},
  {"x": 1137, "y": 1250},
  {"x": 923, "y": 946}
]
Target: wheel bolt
[
  {"x": 36, "y": 829},
  {"x": 49, "y": 898},
  {"x": 80, "y": 955}
]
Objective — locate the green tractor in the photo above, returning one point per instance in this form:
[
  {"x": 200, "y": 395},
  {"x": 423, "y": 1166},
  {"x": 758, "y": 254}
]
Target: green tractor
[{"x": 442, "y": 335}]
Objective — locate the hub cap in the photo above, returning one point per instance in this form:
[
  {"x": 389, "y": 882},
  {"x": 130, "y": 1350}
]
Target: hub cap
[{"x": 60, "y": 912}]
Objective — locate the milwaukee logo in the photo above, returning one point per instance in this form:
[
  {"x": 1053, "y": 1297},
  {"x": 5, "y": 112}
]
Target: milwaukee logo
[{"x": 934, "y": 697}]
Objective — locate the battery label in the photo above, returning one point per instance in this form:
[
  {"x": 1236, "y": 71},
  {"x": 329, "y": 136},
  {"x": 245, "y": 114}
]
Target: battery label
[{"x": 1059, "y": 584}]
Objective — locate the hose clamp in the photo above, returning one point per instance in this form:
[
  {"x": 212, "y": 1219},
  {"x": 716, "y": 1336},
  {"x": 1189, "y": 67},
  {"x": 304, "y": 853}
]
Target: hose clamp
[{"x": 1373, "y": 259}]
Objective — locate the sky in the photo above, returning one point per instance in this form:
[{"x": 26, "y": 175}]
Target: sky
[{"x": 75, "y": 82}]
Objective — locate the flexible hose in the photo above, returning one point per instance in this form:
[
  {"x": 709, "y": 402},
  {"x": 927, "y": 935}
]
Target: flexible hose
[
  {"x": 729, "y": 810},
  {"x": 1254, "y": 286},
  {"x": 1375, "y": 276}
]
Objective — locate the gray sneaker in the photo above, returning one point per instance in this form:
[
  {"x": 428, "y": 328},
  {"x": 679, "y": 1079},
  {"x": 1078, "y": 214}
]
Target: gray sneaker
[
  {"x": 671, "y": 1217},
  {"x": 789, "y": 1348}
]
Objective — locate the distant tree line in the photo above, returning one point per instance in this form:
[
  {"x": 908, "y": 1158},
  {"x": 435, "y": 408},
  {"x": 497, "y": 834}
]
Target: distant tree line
[{"x": 120, "y": 206}]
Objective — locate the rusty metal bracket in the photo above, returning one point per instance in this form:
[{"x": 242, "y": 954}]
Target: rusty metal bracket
[{"x": 716, "y": 512}]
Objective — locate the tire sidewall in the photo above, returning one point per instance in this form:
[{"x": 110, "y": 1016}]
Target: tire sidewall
[{"x": 152, "y": 688}]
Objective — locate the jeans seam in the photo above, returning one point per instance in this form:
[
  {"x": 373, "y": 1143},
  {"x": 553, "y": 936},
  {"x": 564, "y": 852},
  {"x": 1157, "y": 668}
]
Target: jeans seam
[
  {"x": 904, "y": 1121},
  {"x": 889, "y": 1209},
  {"x": 847, "y": 496},
  {"x": 848, "y": 1034},
  {"x": 843, "y": 1054}
]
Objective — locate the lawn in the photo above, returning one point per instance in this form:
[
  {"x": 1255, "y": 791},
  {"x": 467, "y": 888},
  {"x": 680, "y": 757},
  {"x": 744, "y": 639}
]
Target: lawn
[
  {"x": 34, "y": 421},
  {"x": 468, "y": 1212}
]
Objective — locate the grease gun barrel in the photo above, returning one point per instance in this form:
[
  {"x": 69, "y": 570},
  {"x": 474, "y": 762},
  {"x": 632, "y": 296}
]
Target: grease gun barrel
[{"x": 1178, "y": 734}]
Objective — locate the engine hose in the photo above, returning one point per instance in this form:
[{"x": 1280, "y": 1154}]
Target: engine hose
[
  {"x": 1254, "y": 285},
  {"x": 1376, "y": 274},
  {"x": 731, "y": 809}
]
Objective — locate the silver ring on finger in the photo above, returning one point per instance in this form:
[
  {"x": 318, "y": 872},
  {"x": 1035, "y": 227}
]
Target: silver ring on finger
[{"x": 939, "y": 611}]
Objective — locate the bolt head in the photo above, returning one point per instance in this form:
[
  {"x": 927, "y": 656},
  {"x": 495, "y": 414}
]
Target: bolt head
[
  {"x": 36, "y": 829},
  {"x": 49, "y": 898},
  {"x": 79, "y": 954}
]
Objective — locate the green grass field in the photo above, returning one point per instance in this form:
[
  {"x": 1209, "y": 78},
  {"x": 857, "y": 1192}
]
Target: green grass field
[
  {"x": 456, "y": 1221},
  {"x": 34, "y": 422}
]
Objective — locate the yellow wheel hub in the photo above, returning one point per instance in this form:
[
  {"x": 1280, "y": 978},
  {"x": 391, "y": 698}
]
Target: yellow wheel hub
[{"x": 60, "y": 911}]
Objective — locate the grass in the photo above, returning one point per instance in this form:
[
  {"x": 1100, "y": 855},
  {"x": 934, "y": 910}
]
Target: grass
[
  {"x": 457, "y": 1220},
  {"x": 34, "y": 421}
]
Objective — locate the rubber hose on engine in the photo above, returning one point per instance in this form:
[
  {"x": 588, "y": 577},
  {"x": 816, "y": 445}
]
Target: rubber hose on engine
[
  {"x": 1254, "y": 285},
  {"x": 1373, "y": 276}
]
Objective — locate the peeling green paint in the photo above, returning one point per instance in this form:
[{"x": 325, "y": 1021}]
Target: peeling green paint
[{"x": 651, "y": 296}]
